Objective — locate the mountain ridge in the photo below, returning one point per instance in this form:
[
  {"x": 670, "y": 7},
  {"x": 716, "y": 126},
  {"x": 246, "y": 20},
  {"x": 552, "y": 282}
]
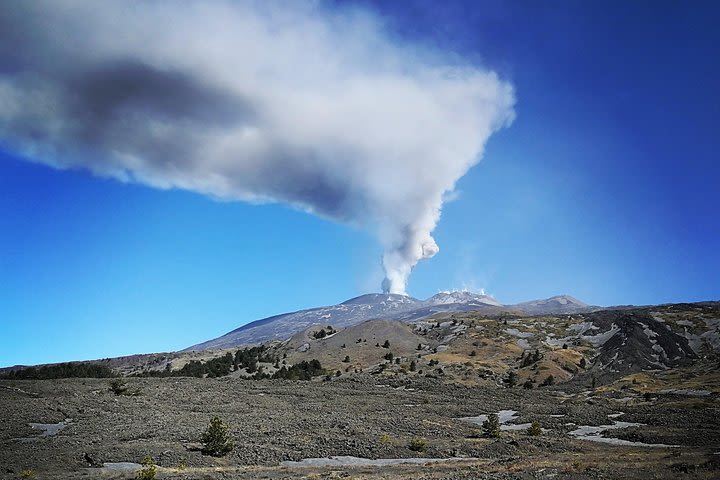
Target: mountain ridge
[{"x": 382, "y": 306}]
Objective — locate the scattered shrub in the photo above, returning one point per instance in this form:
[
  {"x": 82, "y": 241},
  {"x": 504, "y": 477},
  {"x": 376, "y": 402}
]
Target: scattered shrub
[
  {"x": 417, "y": 444},
  {"x": 534, "y": 429},
  {"x": 27, "y": 473},
  {"x": 61, "y": 370},
  {"x": 491, "y": 426},
  {"x": 216, "y": 439},
  {"x": 550, "y": 380},
  {"x": 118, "y": 386},
  {"x": 300, "y": 371},
  {"x": 386, "y": 344},
  {"x": 149, "y": 469}
]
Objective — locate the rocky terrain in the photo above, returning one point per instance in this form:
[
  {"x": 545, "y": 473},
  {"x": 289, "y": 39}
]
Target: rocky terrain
[
  {"x": 618, "y": 393},
  {"x": 383, "y": 306},
  {"x": 365, "y": 416}
]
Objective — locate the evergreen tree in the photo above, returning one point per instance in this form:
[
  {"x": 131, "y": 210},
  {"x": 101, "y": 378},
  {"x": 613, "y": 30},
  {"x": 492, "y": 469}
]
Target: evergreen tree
[
  {"x": 491, "y": 426},
  {"x": 534, "y": 429},
  {"x": 216, "y": 439}
]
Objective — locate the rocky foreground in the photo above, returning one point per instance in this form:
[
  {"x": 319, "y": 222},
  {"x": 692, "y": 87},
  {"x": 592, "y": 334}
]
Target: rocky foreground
[{"x": 89, "y": 430}]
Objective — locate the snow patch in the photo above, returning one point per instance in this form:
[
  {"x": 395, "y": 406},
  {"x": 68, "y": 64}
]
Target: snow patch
[
  {"x": 600, "y": 339},
  {"x": 517, "y": 333},
  {"x": 593, "y": 434}
]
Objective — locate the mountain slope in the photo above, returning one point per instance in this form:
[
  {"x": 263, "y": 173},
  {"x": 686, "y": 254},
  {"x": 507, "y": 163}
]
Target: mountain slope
[
  {"x": 280, "y": 327},
  {"x": 557, "y": 304},
  {"x": 382, "y": 306}
]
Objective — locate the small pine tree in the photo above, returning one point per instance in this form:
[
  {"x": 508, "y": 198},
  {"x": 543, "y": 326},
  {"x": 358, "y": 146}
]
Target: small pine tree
[
  {"x": 413, "y": 366},
  {"x": 550, "y": 380},
  {"x": 417, "y": 444},
  {"x": 583, "y": 363},
  {"x": 149, "y": 470},
  {"x": 534, "y": 430},
  {"x": 118, "y": 386},
  {"x": 216, "y": 439},
  {"x": 512, "y": 379},
  {"x": 491, "y": 426},
  {"x": 386, "y": 344},
  {"x": 346, "y": 359}
]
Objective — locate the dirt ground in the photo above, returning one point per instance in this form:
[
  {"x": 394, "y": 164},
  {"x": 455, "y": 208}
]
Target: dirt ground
[{"x": 366, "y": 416}]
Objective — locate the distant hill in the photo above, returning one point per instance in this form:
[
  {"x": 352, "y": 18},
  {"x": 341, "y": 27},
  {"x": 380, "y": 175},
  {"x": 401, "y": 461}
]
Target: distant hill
[{"x": 386, "y": 307}]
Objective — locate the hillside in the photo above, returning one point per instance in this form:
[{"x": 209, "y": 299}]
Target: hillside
[{"x": 381, "y": 306}]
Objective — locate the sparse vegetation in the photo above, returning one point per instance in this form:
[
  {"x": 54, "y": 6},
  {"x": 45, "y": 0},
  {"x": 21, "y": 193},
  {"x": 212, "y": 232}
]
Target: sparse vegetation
[
  {"x": 300, "y": 371},
  {"x": 118, "y": 386},
  {"x": 527, "y": 359},
  {"x": 216, "y": 439},
  {"x": 491, "y": 426},
  {"x": 534, "y": 429},
  {"x": 148, "y": 470},
  {"x": 61, "y": 370},
  {"x": 28, "y": 473},
  {"x": 325, "y": 332},
  {"x": 417, "y": 444}
]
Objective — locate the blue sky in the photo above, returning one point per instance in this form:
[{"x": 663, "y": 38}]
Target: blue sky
[{"x": 606, "y": 187}]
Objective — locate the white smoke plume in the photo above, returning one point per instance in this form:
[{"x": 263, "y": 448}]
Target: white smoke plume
[{"x": 255, "y": 101}]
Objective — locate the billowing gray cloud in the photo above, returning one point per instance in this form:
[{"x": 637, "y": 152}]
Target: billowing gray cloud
[{"x": 251, "y": 101}]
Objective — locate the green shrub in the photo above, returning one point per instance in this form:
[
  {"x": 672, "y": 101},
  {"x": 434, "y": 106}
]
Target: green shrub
[
  {"x": 216, "y": 439},
  {"x": 27, "y": 473},
  {"x": 534, "y": 429},
  {"x": 417, "y": 444},
  {"x": 491, "y": 426},
  {"x": 149, "y": 469},
  {"x": 118, "y": 386},
  {"x": 61, "y": 370}
]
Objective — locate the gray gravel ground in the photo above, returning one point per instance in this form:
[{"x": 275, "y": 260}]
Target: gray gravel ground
[{"x": 364, "y": 416}]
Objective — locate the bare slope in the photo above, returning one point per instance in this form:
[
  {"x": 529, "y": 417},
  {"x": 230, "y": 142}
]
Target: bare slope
[{"x": 381, "y": 306}]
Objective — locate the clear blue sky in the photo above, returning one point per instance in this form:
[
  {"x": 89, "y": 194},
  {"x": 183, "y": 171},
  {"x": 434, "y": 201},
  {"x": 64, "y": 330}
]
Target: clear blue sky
[{"x": 605, "y": 187}]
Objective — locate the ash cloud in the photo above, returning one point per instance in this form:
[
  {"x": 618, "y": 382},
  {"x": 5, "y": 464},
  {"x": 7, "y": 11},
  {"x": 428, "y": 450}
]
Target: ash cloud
[{"x": 251, "y": 101}]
